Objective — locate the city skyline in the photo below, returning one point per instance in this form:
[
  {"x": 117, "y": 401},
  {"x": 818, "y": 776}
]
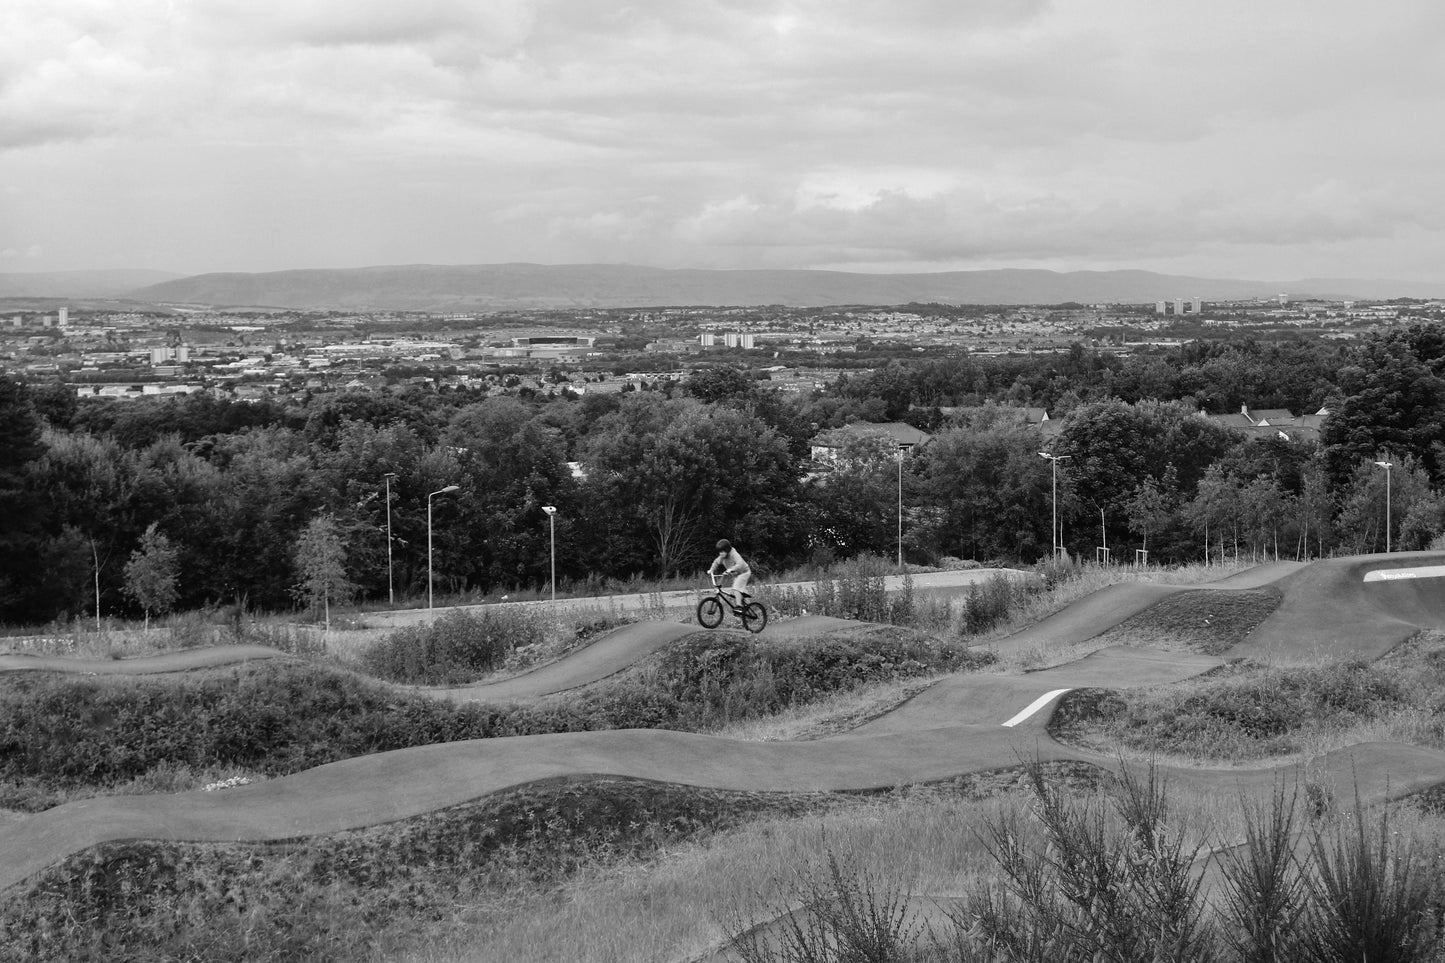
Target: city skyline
[{"x": 1231, "y": 140}]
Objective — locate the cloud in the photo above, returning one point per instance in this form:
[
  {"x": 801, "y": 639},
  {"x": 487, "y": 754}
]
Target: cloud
[
  {"x": 496, "y": 26},
  {"x": 729, "y": 132}
]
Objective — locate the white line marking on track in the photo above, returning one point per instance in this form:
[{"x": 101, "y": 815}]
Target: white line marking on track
[
  {"x": 1035, "y": 706},
  {"x": 1391, "y": 574}
]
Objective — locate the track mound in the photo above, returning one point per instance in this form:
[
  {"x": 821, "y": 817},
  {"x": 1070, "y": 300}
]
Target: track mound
[{"x": 1330, "y": 611}]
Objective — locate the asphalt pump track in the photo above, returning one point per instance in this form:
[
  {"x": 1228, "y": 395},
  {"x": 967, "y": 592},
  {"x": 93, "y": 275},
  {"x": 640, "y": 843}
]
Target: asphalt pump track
[{"x": 1356, "y": 607}]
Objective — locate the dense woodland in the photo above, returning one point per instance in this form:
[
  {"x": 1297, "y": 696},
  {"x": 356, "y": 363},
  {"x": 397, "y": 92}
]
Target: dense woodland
[{"x": 228, "y": 491}]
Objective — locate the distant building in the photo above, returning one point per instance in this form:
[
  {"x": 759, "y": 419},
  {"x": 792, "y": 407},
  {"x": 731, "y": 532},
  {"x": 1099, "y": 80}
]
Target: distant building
[
  {"x": 1274, "y": 423},
  {"x": 1161, "y": 307},
  {"x": 1196, "y": 306},
  {"x": 1178, "y": 305},
  {"x": 553, "y": 346},
  {"x": 180, "y": 353},
  {"x": 829, "y": 444}
]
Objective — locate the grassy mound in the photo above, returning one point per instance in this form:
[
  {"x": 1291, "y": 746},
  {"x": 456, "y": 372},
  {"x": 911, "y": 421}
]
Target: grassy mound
[
  {"x": 1245, "y": 711},
  {"x": 62, "y": 736},
  {"x": 65, "y": 737},
  {"x": 328, "y": 898},
  {"x": 1210, "y": 622}
]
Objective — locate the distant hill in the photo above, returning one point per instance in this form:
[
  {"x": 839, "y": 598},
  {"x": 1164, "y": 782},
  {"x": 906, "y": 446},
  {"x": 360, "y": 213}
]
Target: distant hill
[
  {"x": 427, "y": 287},
  {"x": 79, "y": 284}
]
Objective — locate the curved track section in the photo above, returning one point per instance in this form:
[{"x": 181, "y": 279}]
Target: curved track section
[
  {"x": 607, "y": 656},
  {"x": 1095, "y": 614},
  {"x": 1331, "y": 611}
]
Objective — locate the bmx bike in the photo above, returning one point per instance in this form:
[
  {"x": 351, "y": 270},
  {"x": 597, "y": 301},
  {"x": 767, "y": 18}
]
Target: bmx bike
[{"x": 710, "y": 610}]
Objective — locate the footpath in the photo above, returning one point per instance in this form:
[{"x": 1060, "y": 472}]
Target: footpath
[{"x": 925, "y": 583}]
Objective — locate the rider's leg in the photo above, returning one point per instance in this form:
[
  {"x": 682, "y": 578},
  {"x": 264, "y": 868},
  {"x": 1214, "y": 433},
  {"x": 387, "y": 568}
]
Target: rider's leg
[{"x": 739, "y": 587}]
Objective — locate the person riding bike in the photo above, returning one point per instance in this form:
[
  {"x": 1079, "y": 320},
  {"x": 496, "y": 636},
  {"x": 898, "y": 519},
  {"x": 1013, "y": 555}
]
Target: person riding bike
[{"x": 729, "y": 562}]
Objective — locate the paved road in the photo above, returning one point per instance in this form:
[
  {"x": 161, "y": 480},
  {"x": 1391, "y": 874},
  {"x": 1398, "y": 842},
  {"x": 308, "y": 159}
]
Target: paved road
[
  {"x": 685, "y": 599},
  {"x": 965, "y": 724}
]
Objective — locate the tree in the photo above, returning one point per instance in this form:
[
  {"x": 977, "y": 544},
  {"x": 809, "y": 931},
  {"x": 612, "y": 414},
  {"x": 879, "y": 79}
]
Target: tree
[
  {"x": 1215, "y": 509},
  {"x": 855, "y": 498},
  {"x": 718, "y": 384},
  {"x": 1390, "y": 400},
  {"x": 658, "y": 469},
  {"x": 1314, "y": 509},
  {"x": 1112, "y": 446},
  {"x": 152, "y": 573},
  {"x": 985, "y": 492},
  {"x": 21, "y": 516},
  {"x": 1365, "y": 504},
  {"x": 321, "y": 563},
  {"x": 1151, "y": 506}
]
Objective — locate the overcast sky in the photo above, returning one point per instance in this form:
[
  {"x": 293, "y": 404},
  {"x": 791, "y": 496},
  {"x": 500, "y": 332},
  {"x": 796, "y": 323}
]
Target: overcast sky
[{"x": 1270, "y": 139}]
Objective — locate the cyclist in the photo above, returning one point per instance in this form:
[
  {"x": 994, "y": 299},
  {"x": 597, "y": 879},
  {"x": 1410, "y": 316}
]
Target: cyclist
[{"x": 729, "y": 562}]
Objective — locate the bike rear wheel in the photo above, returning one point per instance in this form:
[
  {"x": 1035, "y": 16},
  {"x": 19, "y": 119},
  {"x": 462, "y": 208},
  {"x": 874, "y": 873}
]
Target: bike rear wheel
[
  {"x": 709, "y": 613},
  {"x": 755, "y": 617}
]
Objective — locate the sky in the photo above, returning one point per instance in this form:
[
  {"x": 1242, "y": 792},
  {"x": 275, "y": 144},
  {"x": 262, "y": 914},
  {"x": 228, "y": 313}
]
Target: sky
[{"x": 1220, "y": 138}]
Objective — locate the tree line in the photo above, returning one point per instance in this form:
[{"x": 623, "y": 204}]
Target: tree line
[{"x": 103, "y": 500}]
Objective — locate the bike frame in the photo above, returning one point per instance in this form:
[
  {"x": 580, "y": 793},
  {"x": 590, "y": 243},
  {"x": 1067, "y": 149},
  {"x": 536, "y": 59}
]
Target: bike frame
[{"x": 717, "y": 587}]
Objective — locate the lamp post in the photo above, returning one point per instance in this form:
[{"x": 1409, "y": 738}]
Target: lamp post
[
  {"x": 1387, "y": 465},
  {"x": 551, "y": 511},
  {"x": 900, "y": 508},
  {"x": 390, "y": 590},
  {"x": 429, "y": 497},
  {"x": 1054, "y": 460}
]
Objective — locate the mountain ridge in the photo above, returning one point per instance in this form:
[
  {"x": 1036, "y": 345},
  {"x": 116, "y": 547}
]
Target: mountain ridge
[
  {"x": 521, "y": 285},
  {"x": 111, "y": 283}
]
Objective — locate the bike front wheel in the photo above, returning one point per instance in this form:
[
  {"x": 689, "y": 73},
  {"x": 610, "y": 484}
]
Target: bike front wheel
[
  {"x": 755, "y": 617},
  {"x": 709, "y": 613}
]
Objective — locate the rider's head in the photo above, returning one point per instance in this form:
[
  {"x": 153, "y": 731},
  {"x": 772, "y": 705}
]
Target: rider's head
[{"x": 724, "y": 545}]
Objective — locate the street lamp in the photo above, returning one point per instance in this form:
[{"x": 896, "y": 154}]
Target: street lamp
[
  {"x": 551, "y": 511},
  {"x": 1055, "y": 459},
  {"x": 390, "y": 590},
  {"x": 1387, "y": 466},
  {"x": 440, "y": 491},
  {"x": 900, "y": 508}
]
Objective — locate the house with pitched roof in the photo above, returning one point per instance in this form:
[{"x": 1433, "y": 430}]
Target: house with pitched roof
[
  {"x": 828, "y": 444},
  {"x": 1278, "y": 423}
]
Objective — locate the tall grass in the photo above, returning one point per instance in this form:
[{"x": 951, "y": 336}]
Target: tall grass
[
  {"x": 1249, "y": 712},
  {"x": 859, "y": 592},
  {"x": 1087, "y": 881},
  {"x": 460, "y": 646}
]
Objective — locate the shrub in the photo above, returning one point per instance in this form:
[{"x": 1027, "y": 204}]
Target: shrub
[
  {"x": 1241, "y": 711},
  {"x": 1126, "y": 887},
  {"x": 1369, "y": 898},
  {"x": 992, "y": 602},
  {"x": 842, "y": 914},
  {"x": 62, "y": 735},
  {"x": 725, "y": 677},
  {"x": 456, "y": 648},
  {"x": 1120, "y": 888}
]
